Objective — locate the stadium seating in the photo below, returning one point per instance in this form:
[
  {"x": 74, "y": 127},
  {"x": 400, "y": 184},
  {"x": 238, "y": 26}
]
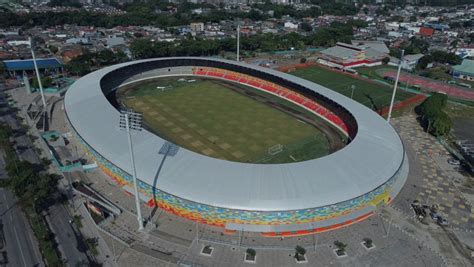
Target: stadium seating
[{"x": 272, "y": 88}]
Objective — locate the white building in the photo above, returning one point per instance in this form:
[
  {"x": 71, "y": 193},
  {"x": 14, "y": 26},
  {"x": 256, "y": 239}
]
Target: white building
[
  {"x": 409, "y": 61},
  {"x": 197, "y": 27},
  {"x": 291, "y": 26}
]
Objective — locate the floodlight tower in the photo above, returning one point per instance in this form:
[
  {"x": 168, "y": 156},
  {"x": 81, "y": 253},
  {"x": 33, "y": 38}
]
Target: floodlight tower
[
  {"x": 238, "y": 42},
  {"x": 395, "y": 87},
  {"x": 37, "y": 73},
  {"x": 132, "y": 122}
]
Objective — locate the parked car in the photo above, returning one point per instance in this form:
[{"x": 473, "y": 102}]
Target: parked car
[
  {"x": 454, "y": 162},
  {"x": 442, "y": 221}
]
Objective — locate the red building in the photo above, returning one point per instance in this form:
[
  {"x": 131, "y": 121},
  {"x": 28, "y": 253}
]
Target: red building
[{"x": 426, "y": 32}]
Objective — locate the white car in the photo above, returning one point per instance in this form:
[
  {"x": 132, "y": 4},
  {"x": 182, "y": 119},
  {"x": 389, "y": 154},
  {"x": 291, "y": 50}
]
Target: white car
[{"x": 454, "y": 162}]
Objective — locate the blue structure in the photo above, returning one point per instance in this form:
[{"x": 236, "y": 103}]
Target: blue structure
[
  {"x": 27, "y": 64},
  {"x": 437, "y": 26}
]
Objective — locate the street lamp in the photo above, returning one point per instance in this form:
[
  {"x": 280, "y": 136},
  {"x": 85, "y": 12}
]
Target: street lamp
[
  {"x": 238, "y": 43},
  {"x": 132, "y": 122},
  {"x": 37, "y": 73},
  {"x": 395, "y": 87},
  {"x": 353, "y": 87}
]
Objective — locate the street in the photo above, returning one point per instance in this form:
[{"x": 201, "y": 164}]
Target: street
[
  {"x": 20, "y": 242},
  {"x": 59, "y": 217}
]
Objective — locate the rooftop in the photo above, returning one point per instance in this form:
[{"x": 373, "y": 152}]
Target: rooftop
[
  {"x": 27, "y": 64},
  {"x": 467, "y": 66}
]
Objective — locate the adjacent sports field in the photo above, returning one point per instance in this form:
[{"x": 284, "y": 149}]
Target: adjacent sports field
[
  {"x": 208, "y": 117},
  {"x": 369, "y": 94}
]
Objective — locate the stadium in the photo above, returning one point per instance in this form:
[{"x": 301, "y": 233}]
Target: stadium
[{"x": 238, "y": 146}]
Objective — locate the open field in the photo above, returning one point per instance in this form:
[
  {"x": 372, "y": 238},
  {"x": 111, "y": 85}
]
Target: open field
[
  {"x": 369, "y": 94},
  {"x": 210, "y": 118}
]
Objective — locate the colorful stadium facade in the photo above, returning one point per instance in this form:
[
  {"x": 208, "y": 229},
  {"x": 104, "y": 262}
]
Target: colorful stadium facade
[{"x": 275, "y": 199}]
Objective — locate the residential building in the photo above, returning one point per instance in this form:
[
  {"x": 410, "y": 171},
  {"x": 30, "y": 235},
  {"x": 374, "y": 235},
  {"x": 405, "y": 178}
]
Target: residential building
[
  {"x": 464, "y": 71},
  {"x": 197, "y": 27}
]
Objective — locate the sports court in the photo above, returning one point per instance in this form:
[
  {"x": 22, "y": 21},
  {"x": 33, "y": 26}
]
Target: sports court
[
  {"x": 372, "y": 95},
  {"x": 431, "y": 85},
  {"x": 210, "y": 118}
]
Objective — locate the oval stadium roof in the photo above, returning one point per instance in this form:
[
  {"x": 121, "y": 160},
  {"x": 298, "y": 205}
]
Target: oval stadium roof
[{"x": 373, "y": 157}]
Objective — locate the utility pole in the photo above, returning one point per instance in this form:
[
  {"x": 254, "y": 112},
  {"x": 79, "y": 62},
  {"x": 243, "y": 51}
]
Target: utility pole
[
  {"x": 197, "y": 233},
  {"x": 353, "y": 87},
  {"x": 395, "y": 87},
  {"x": 428, "y": 128},
  {"x": 132, "y": 121},
  {"x": 389, "y": 225},
  {"x": 238, "y": 43},
  {"x": 37, "y": 73}
]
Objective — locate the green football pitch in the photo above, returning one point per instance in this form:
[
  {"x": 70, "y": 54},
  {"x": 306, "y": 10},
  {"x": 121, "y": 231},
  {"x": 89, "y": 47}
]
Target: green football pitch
[
  {"x": 372, "y": 95},
  {"x": 210, "y": 118}
]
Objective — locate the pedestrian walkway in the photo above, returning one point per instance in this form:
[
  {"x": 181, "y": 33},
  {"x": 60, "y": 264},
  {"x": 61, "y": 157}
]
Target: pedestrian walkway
[{"x": 433, "y": 184}]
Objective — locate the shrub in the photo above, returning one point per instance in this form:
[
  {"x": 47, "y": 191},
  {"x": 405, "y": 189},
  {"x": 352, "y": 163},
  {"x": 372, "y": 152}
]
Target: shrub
[
  {"x": 340, "y": 246},
  {"x": 300, "y": 250},
  {"x": 251, "y": 252},
  {"x": 432, "y": 115},
  {"x": 368, "y": 242}
]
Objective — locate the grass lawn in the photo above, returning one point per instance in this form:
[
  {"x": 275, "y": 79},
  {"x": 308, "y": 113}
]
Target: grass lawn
[
  {"x": 371, "y": 95},
  {"x": 207, "y": 117},
  {"x": 371, "y": 71}
]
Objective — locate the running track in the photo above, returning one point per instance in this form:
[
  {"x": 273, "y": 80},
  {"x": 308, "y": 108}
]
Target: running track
[{"x": 432, "y": 85}]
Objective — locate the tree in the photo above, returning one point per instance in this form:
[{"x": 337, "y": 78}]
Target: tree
[
  {"x": 3, "y": 69},
  {"x": 142, "y": 48},
  {"x": 368, "y": 242},
  {"x": 433, "y": 105},
  {"x": 82, "y": 64},
  {"x": 446, "y": 57},
  {"x": 341, "y": 247},
  {"x": 65, "y": 3},
  {"x": 385, "y": 60},
  {"x": 432, "y": 116},
  {"x": 303, "y": 60},
  {"x": 358, "y": 23},
  {"x": 77, "y": 67},
  {"x": 106, "y": 57},
  {"x": 5, "y": 133},
  {"x": 440, "y": 124},
  {"x": 45, "y": 82},
  {"x": 306, "y": 27},
  {"x": 299, "y": 252},
  {"x": 53, "y": 49},
  {"x": 423, "y": 62},
  {"x": 92, "y": 244},
  {"x": 251, "y": 252}
]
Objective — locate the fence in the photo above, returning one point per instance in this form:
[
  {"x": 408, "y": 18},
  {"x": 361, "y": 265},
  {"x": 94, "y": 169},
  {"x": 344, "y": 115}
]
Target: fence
[
  {"x": 410, "y": 101},
  {"x": 384, "y": 111}
]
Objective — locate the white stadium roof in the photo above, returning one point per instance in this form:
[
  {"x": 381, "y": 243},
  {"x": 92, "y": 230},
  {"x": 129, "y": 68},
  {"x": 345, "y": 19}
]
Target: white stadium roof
[{"x": 370, "y": 160}]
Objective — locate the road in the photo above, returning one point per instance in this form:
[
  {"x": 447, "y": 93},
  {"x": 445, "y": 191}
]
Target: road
[
  {"x": 66, "y": 237},
  {"x": 20, "y": 242}
]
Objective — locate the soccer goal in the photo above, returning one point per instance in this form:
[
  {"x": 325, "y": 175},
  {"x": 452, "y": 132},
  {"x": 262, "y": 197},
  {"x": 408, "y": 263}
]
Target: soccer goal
[{"x": 273, "y": 150}]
